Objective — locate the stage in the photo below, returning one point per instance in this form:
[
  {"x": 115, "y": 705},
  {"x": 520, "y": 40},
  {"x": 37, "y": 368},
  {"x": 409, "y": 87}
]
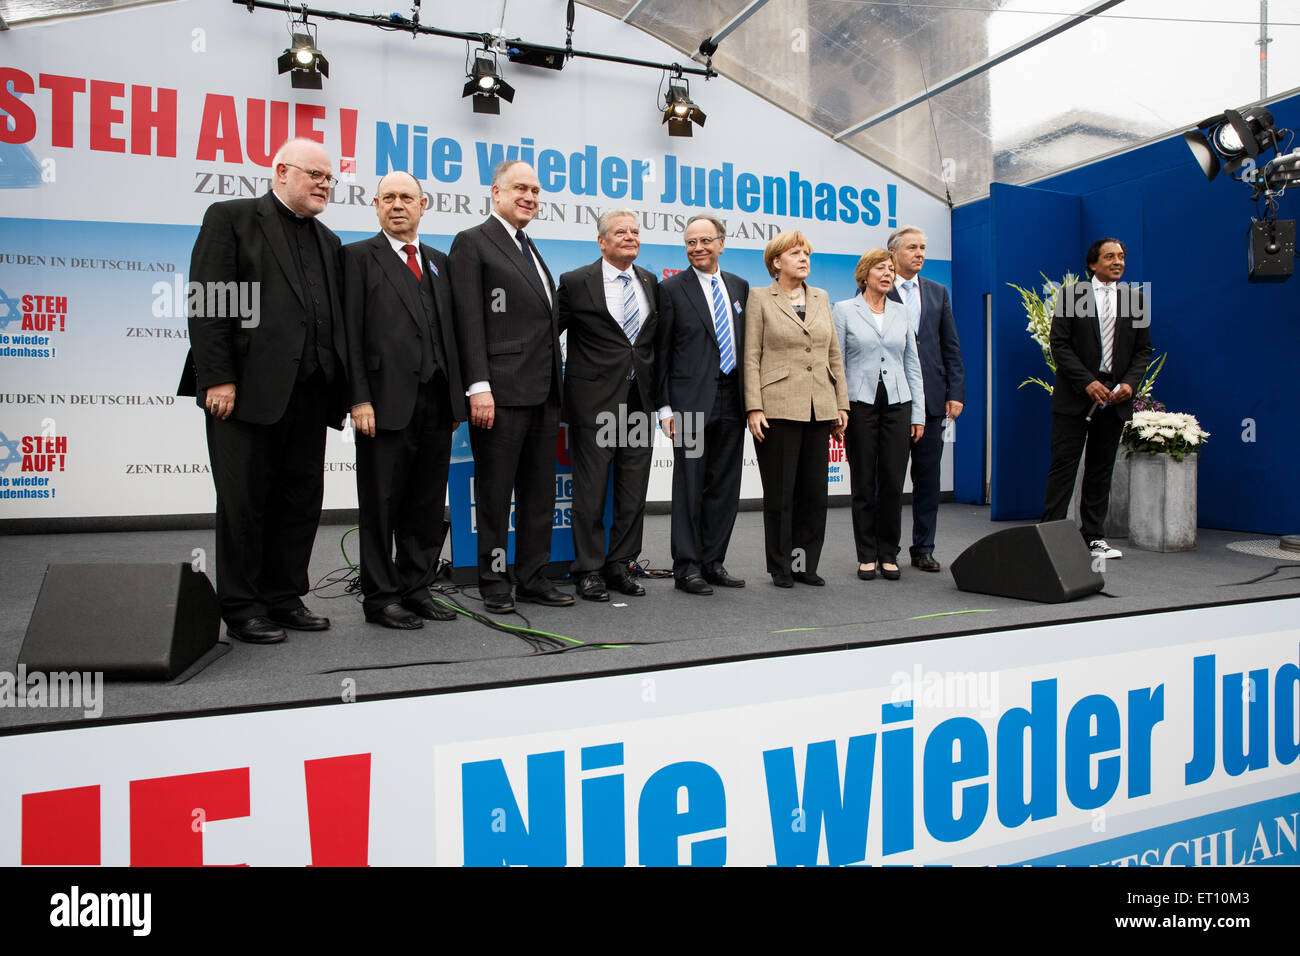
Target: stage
[{"x": 665, "y": 629}]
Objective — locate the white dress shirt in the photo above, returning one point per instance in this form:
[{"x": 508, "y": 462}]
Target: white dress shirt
[{"x": 1103, "y": 294}]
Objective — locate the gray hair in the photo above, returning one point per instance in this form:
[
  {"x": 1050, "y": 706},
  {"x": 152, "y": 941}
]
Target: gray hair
[
  {"x": 289, "y": 147},
  {"x": 503, "y": 167},
  {"x": 717, "y": 224},
  {"x": 608, "y": 216},
  {"x": 896, "y": 237}
]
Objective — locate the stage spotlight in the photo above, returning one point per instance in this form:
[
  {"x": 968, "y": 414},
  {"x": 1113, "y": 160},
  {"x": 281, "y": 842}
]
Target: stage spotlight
[
  {"x": 486, "y": 84},
  {"x": 1231, "y": 138},
  {"x": 679, "y": 110},
  {"x": 303, "y": 61}
]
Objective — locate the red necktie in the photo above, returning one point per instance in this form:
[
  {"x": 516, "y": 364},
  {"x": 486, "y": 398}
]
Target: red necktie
[{"x": 412, "y": 262}]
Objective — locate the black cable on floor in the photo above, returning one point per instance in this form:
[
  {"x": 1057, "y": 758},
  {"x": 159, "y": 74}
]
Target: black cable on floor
[{"x": 1276, "y": 569}]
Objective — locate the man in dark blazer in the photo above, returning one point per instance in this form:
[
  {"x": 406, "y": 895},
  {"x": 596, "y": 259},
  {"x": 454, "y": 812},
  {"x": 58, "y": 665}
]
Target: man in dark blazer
[
  {"x": 404, "y": 373},
  {"x": 608, "y": 310},
  {"x": 1101, "y": 343},
  {"x": 700, "y": 350},
  {"x": 930, "y": 310},
  {"x": 508, "y": 335},
  {"x": 270, "y": 380}
]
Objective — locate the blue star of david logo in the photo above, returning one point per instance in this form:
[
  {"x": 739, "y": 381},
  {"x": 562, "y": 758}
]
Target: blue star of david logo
[
  {"x": 8, "y": 452},
  {"x": 9, "y": 311}
]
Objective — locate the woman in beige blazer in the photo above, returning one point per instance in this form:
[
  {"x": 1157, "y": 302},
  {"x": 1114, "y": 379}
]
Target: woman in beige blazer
[{"x": 796, "y": 399}]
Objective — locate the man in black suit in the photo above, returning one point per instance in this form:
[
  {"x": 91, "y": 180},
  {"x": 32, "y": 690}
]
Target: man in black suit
[
  {"x": 270, "y": 382},
  {"x": 1101, "y": 344},
  {"x": 608, "y": 309},
  {"x": 700, "y": 351},
  {"x": 407, "y": 396},
  {"x": 508, "y": 335},
  {"x": 945, "y": 382}
]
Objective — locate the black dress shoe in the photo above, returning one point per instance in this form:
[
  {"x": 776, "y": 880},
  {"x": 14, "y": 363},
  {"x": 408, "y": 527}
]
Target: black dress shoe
[
  {"x": 809, "y": 577},
  {"x": 429, "y": 609},
  {"x": 693, "y": 584},
  {"x": 782, "y": 580},
  {"x": 625, "y": 584},
  {"x": 299, "y": 619},
  {"x": 721, "y": 578},
  {"x": 551, "y": 597},
  {"x": 394, "y": 616},
  {"x": 866, "y": 575},
  {"x": 887, "y": 574},
  {"x": 499, "y": 603},
  {"x": 592, "y": 588},
  {"x": 256, "y": 630},
  {"x": 925, "y": 562}
]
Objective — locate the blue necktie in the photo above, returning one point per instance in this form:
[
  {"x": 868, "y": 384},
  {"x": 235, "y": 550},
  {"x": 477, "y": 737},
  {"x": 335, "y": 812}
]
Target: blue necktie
[
  {"x": 631, "y": 315},
  {"x": 722, "y": 329},
  {"x": 913, "y": 303}
]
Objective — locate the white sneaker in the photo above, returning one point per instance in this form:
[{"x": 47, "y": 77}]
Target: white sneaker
[{"x": 1100, "y": 549}]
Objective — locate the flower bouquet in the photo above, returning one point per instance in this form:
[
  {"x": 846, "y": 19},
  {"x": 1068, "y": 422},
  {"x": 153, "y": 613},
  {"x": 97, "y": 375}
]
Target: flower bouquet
[{"x": 1164, "y": 433}]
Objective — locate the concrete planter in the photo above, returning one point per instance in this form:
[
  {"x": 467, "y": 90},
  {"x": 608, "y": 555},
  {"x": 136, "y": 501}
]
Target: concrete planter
[
  {"x": 1117, "y": 517},
  {"x": 1162, "y": 503}
]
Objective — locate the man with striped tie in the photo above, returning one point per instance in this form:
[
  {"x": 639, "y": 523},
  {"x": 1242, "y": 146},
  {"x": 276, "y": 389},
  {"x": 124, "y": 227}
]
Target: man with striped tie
[
  {"x": 700, "y": 395},
  {"x": 1101, "y": 344},
  {"x": 610, "y": 313}
]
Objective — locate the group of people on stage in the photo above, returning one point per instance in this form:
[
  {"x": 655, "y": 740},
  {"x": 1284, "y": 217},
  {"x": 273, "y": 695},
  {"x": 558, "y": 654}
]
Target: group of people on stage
[{"x": 410, "y": 341}]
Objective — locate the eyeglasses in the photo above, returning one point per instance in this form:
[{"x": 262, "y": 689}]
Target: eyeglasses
[
  {"x": 708, "y": 241},
  {"x": 316, "y": 175}
]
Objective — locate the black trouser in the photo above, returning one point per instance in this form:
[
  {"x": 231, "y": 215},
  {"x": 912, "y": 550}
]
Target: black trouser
[
  {"x": 516, "y": 454},
  {"x": 927, "y": 457},
  {"x": 269, "y": 481},
  {"x": 792, "y": 463},
  {"x": 876, "y": 443},
  {"x": 1070, "y": 435},
  {"x": 706, "y": 482},
  {"x": 596, "y": 451},
  {"x": 401, "y": 488}
]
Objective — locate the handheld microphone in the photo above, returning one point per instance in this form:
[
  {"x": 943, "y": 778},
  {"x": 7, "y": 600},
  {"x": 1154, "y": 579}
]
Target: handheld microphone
[{"x": 1095, "y": 406}]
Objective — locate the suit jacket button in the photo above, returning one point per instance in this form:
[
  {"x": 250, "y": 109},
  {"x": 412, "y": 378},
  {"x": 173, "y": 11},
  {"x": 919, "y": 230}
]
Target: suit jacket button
[
  {"x": 810, "y": 368},
  {"x": 808, "y": 350}
]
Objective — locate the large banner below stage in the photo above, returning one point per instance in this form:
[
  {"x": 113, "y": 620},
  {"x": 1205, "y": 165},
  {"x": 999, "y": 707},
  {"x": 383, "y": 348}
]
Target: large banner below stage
[
  {"x": 1164, "y": 740},
  {"x": 117, "y": 131}
]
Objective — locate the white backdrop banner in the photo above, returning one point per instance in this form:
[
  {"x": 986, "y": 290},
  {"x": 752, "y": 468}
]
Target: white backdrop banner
[{"x": 118, "y": 130}]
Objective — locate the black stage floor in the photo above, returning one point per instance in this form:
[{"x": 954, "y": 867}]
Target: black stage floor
[{"x": 665, "y": 628}]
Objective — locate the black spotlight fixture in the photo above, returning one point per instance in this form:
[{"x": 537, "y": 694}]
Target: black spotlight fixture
[
  {"x": 1231, "y": 138},
  {"x": 486, "y": 84},
  {"x": 679, "y": 110},
  {"x": 303, "y": 60}
]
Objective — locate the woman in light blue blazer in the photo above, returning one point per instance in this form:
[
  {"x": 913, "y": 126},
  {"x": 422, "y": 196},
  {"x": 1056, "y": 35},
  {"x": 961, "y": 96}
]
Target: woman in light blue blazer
[{"x": 884, "y": 373}]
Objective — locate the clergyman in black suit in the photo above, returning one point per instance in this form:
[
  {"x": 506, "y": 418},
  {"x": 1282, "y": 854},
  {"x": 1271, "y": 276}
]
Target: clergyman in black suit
[
  {"x": 270, "y": 382},
  {"x": 609, "y": 312},
  {"x": 1101, "y": 343},
  {"x": 404, "y": 373},
  {"x": 508, "y": 333},
  {"x": 700, "y": 350},
  {"x": 930, "y": 311}
]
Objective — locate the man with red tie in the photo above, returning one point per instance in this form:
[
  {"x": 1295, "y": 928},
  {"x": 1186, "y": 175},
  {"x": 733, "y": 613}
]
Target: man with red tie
[{"x": 406, "y": 400}]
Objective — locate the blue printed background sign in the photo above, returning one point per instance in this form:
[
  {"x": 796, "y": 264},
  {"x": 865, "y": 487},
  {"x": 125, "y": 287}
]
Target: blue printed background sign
[{"x": 460, "y": 495}]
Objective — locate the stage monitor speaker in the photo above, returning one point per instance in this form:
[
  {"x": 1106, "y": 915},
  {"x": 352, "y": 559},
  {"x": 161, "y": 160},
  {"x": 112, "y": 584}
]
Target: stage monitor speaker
[
  {"x": 129, "y": 621},
  {"x": 1039, "y": 562}
]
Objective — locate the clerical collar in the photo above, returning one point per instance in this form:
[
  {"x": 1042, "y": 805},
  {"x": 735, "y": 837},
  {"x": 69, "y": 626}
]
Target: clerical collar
[{"x": 284, "y": 208}]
